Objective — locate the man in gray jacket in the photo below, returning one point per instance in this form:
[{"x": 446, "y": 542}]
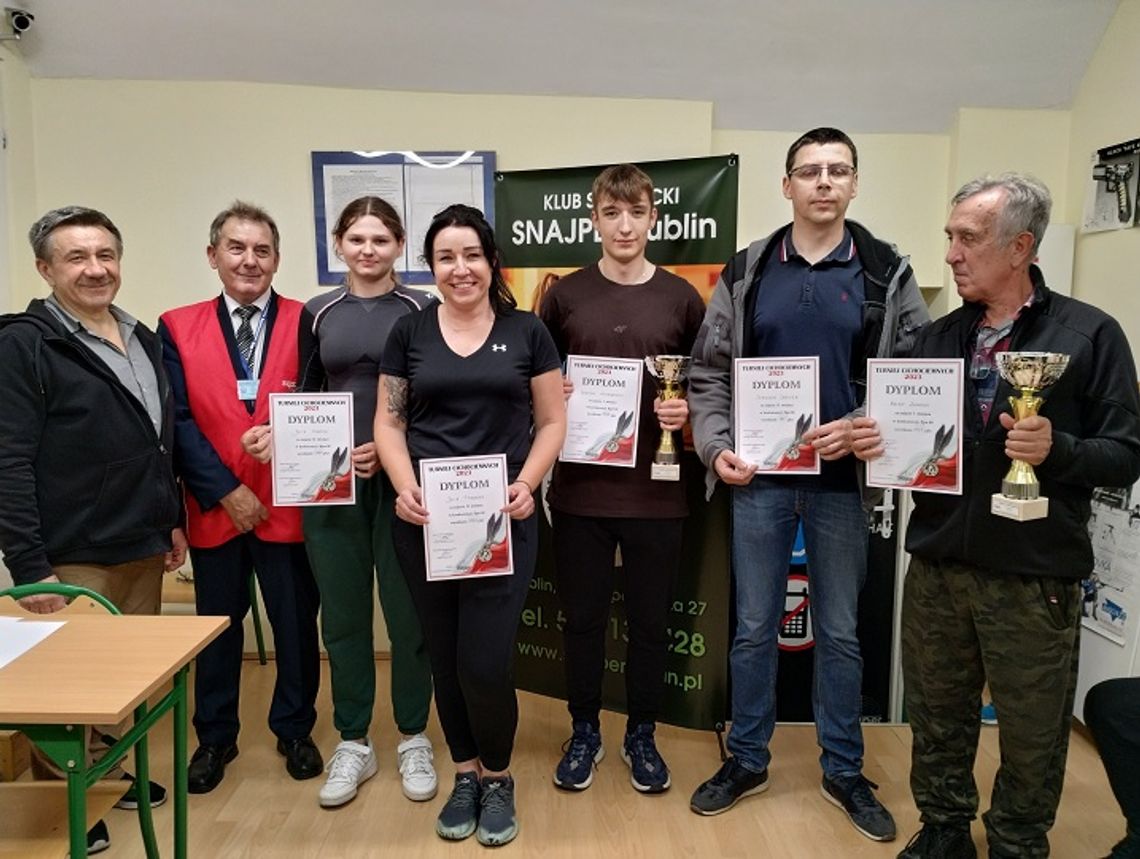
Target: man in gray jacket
[{"x": 822, "y": 286}]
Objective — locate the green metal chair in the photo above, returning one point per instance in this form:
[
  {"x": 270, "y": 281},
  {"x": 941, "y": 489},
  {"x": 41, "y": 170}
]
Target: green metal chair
[{"x": 60, "y": 751}]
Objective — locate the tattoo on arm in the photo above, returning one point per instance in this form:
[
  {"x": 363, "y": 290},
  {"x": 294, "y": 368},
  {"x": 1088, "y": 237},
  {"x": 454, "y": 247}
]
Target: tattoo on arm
[{"x": 398, "y": 398}]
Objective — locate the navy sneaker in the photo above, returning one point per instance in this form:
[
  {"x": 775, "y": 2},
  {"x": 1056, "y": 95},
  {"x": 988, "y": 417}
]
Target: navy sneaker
[
  {"x": 852, "y": 793},
  {"x": 497, "y": 821},
  {"x": 581, "y": 753},
  {"x": 731, "y": 784},
  {"x": 460, "y": 814},
  {"x": 647, "y": 772},
  {"x": 941, "y": 841}
]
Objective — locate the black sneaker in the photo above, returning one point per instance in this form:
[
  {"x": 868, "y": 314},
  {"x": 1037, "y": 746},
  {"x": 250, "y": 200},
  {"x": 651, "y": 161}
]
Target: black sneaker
[
  {"x": 941, "y": 841},
  {"x": 647, "y": 771},
  {"x": 497, "y": 821},
  {"x": 731, "y": 784},
  {"x": 98, "y": 839},
  {"x": 853, "y": 794},
  {"x": 582, "y": 752},
  {"x": 460, "y": 814},
  {"x": 130, "y": 799}
]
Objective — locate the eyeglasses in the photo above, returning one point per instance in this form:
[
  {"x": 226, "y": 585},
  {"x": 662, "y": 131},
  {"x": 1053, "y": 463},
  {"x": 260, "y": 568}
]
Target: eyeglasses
[{"x": 811, "y": 172}]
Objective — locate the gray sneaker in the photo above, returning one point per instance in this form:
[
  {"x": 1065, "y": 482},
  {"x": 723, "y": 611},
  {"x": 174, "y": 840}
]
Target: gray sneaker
[
  {"x": 460, "y": 814},
  {"x": 497, "y": 821}
]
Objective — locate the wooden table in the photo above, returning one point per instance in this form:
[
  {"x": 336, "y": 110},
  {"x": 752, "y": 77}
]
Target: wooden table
[{"x": 97, "y": 670}]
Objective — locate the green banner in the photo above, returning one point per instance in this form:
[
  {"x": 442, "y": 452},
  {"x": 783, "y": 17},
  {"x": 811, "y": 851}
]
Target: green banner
[
  {"x": 542, "y": 217},
  {"x": 543, "y": 226}
]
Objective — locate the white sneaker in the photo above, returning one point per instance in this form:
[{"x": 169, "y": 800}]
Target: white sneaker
[
  {"x": 352, "y": 764},
  {"x": 414, "y": 756}
]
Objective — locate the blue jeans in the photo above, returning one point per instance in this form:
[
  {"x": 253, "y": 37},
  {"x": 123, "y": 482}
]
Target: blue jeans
[{"x": 764, "y": 519}]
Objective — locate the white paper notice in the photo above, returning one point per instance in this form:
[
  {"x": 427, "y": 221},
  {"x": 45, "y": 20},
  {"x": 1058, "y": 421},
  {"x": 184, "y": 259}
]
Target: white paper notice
[
  {"x": 918, "y": 407},
  {"x": 775, "y": 402},
  {"x": 18, "y": 636},
  {"x": 312, "y": 449},
  {"x": 467, "y": 533},
  {"x": 603, "y": 413}
]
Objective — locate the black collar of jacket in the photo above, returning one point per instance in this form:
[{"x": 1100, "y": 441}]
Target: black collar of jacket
[
  {"x": 38, "y": 314},
  {"x": 973, "y": 311}
]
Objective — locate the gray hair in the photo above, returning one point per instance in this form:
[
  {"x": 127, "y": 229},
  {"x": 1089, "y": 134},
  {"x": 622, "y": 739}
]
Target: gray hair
[
  {"x": 68, "y": 216},
  {"x": 1026, "y": 208},
  {"x": 243, "y": 211}
]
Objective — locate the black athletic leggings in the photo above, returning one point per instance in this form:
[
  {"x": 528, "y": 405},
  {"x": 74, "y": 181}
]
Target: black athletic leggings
[{"x": 470, "y": 627}]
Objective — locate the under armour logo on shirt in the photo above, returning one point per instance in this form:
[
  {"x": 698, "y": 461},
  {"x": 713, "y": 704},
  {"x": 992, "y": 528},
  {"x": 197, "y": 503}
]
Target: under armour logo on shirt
[{"x": 498, "y": 347}]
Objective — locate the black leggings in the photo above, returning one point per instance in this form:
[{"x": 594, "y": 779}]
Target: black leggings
[
  {"x": 470, "y": 627},
  {"x": 584, "y": 561},
  {"x": 1112, "y": 713}
]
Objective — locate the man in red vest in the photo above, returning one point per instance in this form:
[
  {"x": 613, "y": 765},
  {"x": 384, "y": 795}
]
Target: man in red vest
[{"x": 225, "y": 357}]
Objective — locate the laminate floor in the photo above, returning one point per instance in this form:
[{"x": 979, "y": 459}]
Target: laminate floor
[{"x": 258, "y": 811}]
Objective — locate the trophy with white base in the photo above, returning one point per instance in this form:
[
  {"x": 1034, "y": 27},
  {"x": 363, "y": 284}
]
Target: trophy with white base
[
  {"x": 1030, "y": 373},
  {"x": 670, "y": 371}
]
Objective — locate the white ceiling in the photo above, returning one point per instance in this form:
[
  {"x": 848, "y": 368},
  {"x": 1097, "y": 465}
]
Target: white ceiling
[{"x": 864, "y": 65}]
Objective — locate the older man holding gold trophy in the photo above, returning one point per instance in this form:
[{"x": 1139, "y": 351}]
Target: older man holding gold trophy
[{"x": 992, "y": 591}]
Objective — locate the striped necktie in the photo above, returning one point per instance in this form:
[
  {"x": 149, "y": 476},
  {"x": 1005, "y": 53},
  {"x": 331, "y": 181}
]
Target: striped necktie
[{"x": 245, "y": 332}]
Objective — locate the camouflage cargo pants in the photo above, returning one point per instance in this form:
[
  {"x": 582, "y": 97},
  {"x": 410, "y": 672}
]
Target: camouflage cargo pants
[{"x": 960, "y": 627}]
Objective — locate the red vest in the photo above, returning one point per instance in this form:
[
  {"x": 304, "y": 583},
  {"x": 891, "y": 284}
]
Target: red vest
[{"x": 211, "y": 388}]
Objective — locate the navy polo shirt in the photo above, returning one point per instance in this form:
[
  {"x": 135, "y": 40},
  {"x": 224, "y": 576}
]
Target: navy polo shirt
[{"x": 805, "y": 309}]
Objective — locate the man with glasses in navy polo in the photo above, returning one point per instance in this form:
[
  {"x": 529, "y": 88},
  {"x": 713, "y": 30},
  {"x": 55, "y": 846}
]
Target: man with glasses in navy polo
[{"x": 823, "y": 286}]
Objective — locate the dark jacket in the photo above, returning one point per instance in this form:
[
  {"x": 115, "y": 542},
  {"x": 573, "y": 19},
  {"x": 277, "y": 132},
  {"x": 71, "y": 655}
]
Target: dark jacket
[
  {"x": 893, "y": 313},
  {"x": 84, "y": 477},
  {"x": 1095, "y": 412}
]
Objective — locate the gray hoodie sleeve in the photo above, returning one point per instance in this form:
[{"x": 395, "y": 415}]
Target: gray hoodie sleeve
[{"x": 710, "y": 380}]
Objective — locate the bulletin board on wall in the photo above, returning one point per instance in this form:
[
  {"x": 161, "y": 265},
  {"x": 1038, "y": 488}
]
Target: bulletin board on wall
[{"x": 417, "y": 184}]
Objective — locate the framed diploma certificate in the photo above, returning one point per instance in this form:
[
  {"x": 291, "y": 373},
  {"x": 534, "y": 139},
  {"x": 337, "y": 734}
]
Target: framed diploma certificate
[
  {"x": 775, "y": 402},
  {"x": 603, "y": 413},
  {"x": 312, "y": 449},
  {"x": 918, "y": 406},
  {"x": 467, "y": 533}
]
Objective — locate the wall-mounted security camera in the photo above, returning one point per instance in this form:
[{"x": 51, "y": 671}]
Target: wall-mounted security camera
[{"x": 18, "y": 21}]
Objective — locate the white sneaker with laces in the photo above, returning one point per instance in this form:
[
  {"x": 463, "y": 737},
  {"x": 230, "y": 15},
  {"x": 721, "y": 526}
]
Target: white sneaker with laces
[
  {"x": 352, "y": 764},
  {"x": 414, "y": 755}
]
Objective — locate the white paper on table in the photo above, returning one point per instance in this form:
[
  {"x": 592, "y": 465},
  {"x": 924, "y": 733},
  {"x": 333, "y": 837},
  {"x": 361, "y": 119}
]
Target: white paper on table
[
  {"x": 18, "y": 636},
  {"x": 603, "y": 413},
  {"x": 467, "y": 533},
  {"x": 312, "y": 449},
  {"x": 918, "y": 407},
  {"x": 775, "y": 401}
]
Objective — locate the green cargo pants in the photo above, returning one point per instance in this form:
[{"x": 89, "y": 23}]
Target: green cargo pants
[{"x": 962, "y": 625}]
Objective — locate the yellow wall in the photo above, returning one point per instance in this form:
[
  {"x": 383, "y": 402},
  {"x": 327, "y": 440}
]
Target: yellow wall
[
  {"x": 902, "y": 181},
  {"x": 20, "y": 204},
  {"x": 1107, "y": 265},
  {"x": 163, "y": 158}
]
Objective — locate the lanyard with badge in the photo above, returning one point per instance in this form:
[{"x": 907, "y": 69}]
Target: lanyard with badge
[{"x": 247, "y": 387}]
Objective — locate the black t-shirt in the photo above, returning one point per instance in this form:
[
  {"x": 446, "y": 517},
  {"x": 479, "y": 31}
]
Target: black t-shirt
[
  {"x": 588, "y": 314},
  {"x": 470, "y": 406}
]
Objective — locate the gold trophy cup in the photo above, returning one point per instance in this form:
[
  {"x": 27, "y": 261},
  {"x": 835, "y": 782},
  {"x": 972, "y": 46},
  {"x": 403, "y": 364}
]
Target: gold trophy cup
[
  {"x": 670, "y": 371},
  {"x": 1030, "y": 373}
]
